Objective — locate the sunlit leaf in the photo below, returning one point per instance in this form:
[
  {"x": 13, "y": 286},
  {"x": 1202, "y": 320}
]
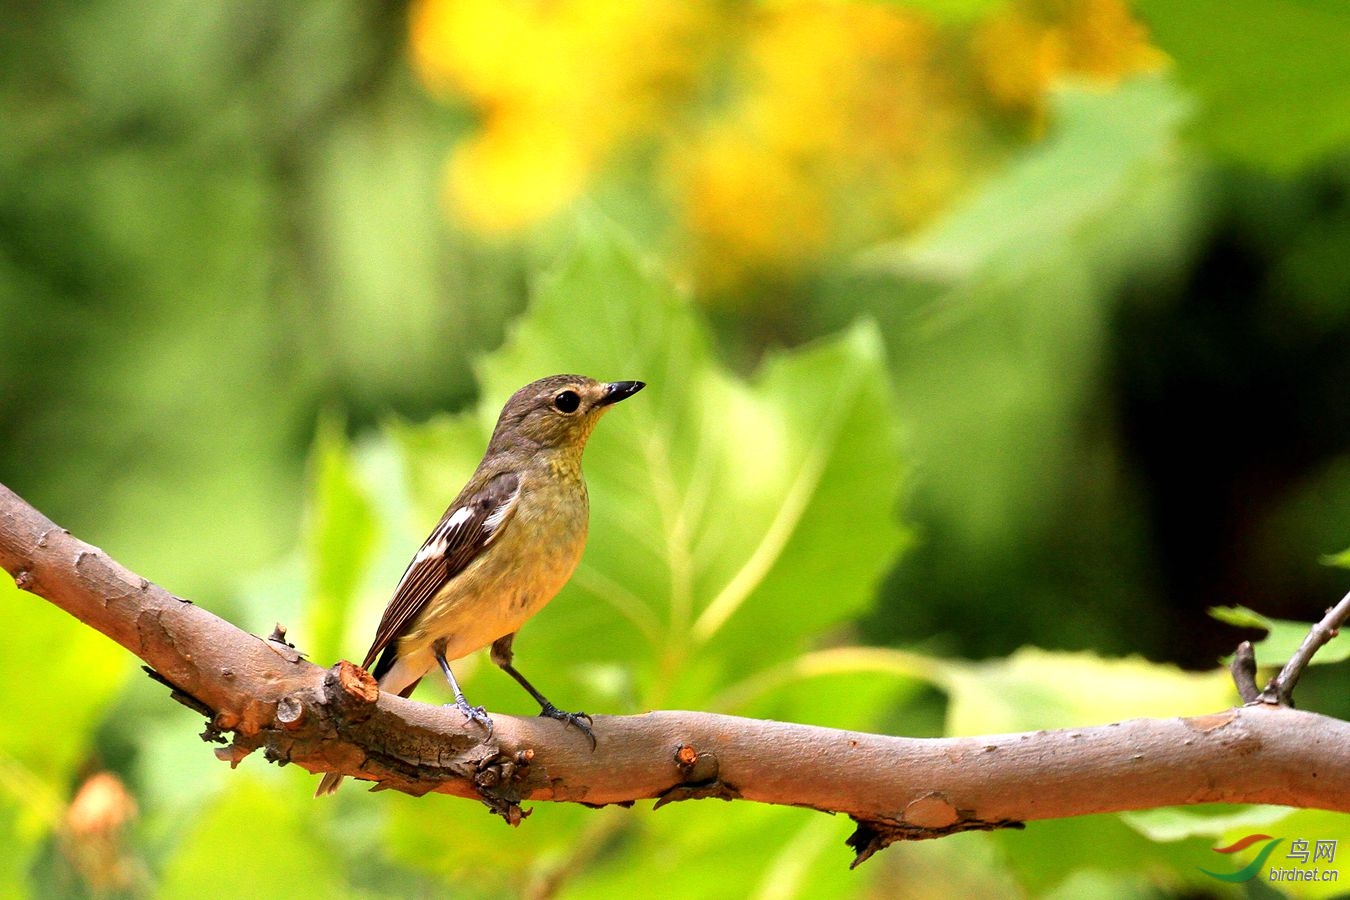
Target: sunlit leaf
[
  {"x": 1035, "y": 689},
  {"x": 842, "y": 687},
  {"x": 1222, "y": 826},
  {"x": 711, "y": 849},
  {"x": 1339, "y": 560},
  {"x": 475, "y": 852},
  {"x": 20, "y": 844},
  {"x": 1273, "y": 75},
  {"x": 733, "y": 522},
  {"x": 1174, "y": 823},
  {"x": 1311, "y": 825},
  {"x": 1100, "y": 145},
  {"x": 1282, "y": 636}
]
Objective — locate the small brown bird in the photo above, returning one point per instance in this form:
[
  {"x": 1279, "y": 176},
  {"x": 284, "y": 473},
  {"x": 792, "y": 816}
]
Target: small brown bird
[{"x": 503, "y": 549}]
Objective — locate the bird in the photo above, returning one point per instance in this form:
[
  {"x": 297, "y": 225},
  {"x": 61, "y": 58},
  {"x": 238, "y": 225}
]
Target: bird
[{"x": 502, "y": 549}]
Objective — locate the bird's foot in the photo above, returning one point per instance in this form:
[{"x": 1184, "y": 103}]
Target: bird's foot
[
  {"x": 578, "y": 720},
  {"x": 474, "y": 714}
]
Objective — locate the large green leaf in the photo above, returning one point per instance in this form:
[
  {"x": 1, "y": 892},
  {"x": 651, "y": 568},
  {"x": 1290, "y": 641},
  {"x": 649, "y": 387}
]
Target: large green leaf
[
  {"x": 1086, "y": 855},
  {"x": 734, "y": 524},
  {"x": 1273, "y": 75}
]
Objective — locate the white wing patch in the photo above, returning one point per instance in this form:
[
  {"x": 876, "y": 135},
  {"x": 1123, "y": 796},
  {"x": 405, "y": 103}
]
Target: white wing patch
[
  {"x": 499, "y": 514},
  {"x": 439, "y": 541}
]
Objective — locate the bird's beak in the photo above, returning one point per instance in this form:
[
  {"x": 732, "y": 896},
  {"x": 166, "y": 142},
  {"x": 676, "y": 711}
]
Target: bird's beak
[{"x": 620, "y": 390}]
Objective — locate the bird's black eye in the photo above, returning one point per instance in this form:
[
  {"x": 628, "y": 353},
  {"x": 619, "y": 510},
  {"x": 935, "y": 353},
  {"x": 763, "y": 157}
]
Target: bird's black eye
[{"x": 567, "y": 402}]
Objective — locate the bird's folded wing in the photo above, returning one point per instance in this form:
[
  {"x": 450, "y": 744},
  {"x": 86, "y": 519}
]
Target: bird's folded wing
[{"x": 468, "y": 527}]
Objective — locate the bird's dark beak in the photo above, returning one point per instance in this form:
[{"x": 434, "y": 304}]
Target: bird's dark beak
[{"x": 620, "y": 390}]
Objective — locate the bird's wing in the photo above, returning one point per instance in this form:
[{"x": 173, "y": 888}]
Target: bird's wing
[{"x": 466, "y": 530}]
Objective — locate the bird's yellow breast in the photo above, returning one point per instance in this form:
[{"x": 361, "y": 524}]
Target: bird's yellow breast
[{"x": 531, "y": 558}]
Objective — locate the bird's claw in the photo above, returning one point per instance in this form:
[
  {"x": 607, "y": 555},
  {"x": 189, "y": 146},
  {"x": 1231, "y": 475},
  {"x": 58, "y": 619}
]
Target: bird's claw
[
  {"x": 474, "y": 714},
  {"x": 578, "y": 720}
]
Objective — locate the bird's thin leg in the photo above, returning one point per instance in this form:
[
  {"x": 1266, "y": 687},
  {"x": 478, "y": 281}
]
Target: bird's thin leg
[
  {"x": 472, "y": 713},
  {"x": 502, "y": 654}
]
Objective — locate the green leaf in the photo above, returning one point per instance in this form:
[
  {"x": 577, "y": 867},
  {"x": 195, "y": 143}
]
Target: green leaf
[
  {"x": 1240, "y": 616},
  {"x": 1339, "y": 560},
  {"x": 1283, "y": 637},
  {"x": 842, "y": 687},
  {"x": 1090, "y": 856},
  {"x": 475, "y": 853},
  {"x": 712, "y": 849},
  {"x": 1175, "y": 823},
  {"x": 1102, "y": 143},
  {"x": 1037, "y": 689},
  {"x": 731, "y": 521},
  {"x": 1273, "y": 75},
  {"x": 1311, "y": 825},
  {"x": 20, "y": 845}
]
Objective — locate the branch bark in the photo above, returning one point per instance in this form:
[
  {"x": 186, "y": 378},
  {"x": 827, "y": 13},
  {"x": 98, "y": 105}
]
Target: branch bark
[
  {"x": 260, "y": 694},
  {"x": 1280, "y": 690}
]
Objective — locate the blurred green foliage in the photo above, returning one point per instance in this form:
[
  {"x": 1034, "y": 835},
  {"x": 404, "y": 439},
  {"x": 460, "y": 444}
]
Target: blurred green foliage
[
  {"x": 1022, "y": 344},
  {"x": 1273, "y": 76}
]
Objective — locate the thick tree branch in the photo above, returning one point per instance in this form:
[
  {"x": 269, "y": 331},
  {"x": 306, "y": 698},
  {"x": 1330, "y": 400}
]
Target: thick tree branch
[{"x": 265, "y": 696}]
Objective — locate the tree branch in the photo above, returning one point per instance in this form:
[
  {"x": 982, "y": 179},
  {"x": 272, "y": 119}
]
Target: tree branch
[
  {"x": 264, "y": 695},
  {"x": 1281, "y": 688}
]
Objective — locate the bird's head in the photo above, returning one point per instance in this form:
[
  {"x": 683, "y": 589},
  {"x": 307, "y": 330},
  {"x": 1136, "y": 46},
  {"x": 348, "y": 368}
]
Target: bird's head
[{"x": 557, "y": 413}]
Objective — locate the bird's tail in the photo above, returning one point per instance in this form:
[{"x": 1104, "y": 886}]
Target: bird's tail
[{"x": 329, "y": 784}]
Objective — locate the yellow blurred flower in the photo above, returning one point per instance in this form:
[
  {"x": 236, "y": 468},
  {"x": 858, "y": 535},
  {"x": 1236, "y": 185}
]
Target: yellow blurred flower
[
  {"x": 829, "y": 115},
  {"x": 561, "y": 86},
  {"x": 771, "y": 136},
  {"x": 93, "y": 836},
  {"x": 1023, "y": 48}
]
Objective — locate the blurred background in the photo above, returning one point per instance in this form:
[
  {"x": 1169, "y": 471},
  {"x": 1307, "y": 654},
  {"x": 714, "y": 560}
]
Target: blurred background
[{"x": 252, "y": 255}]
